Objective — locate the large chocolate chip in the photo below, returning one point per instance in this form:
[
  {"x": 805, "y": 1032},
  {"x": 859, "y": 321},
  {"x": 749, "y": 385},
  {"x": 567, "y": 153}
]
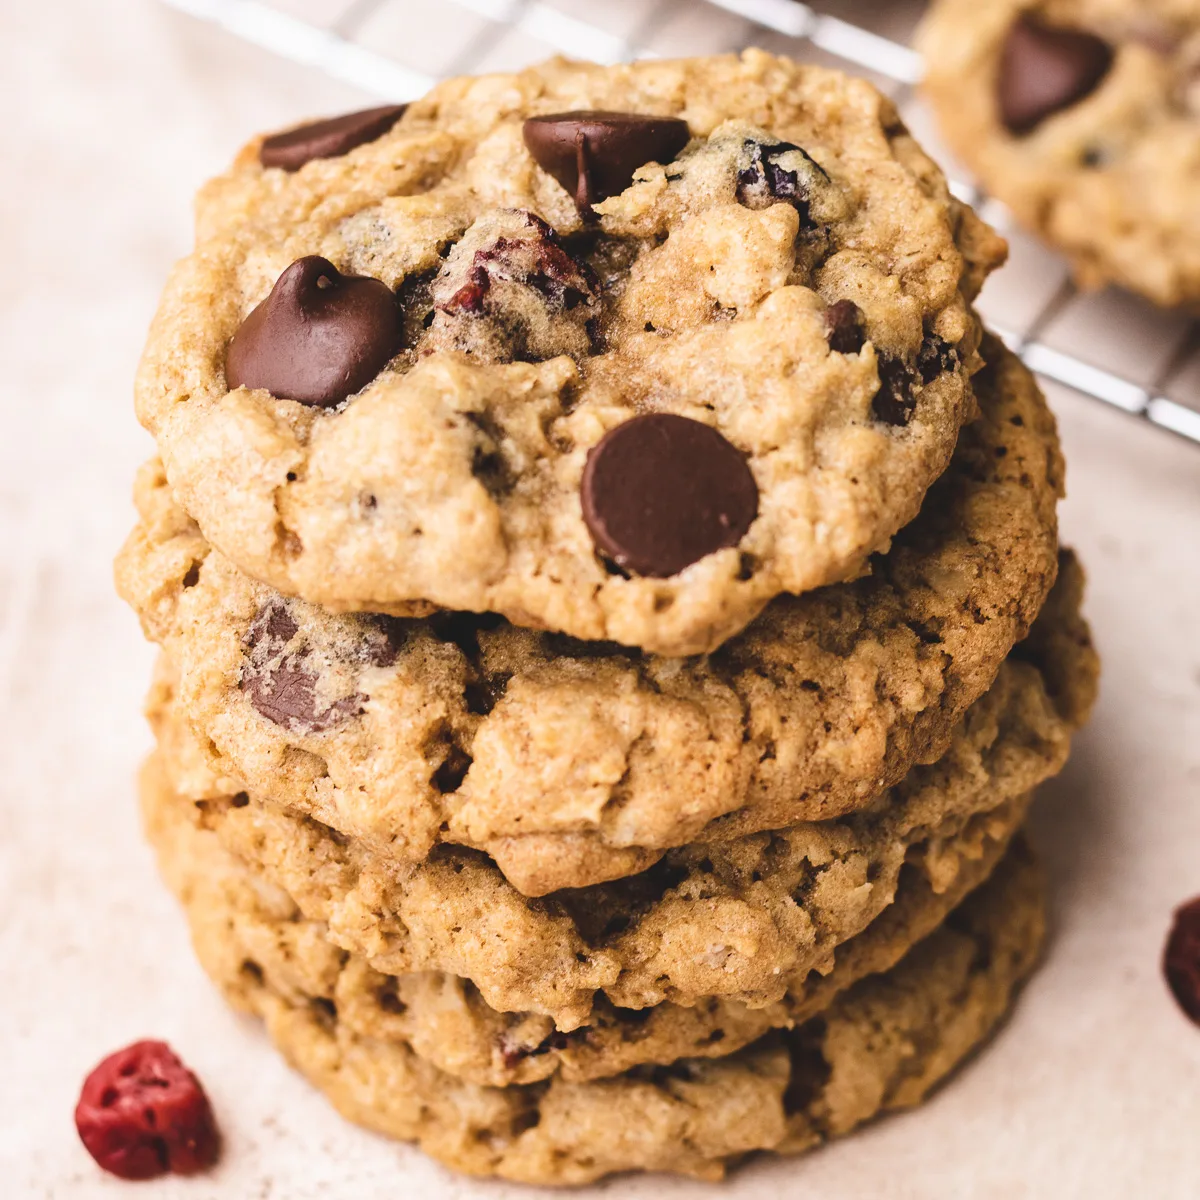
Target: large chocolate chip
[
  {"x": 318, "y": 337},
  {"x": 594, "y": 154},
  {"x": 1044, "y": 69},
  {"x": 328, "y": 139},
  {"x": 661, "y": 491},
  {"x": 278, "y": 681},
  {"x": 1181, "y": 959}
]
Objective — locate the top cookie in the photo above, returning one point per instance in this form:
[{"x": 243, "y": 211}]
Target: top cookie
[
  {"x": 1083, "y": 116},
  {"x": 625, "y": 377}
]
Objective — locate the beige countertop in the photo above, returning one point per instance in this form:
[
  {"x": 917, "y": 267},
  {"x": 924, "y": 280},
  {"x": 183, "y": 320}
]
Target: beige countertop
[{"x": 114, "y": 111}]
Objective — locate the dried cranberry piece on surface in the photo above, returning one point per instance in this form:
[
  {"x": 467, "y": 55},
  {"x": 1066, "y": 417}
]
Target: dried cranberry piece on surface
[
  {"x": 1181, "y": 959},
  {"x": 142, "y": 1114}
]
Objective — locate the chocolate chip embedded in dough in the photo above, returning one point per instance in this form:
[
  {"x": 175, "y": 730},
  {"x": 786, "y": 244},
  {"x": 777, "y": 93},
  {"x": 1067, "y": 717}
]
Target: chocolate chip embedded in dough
[
  {"x": 279, "y": 682},
  {"x": 661, "y": 492},
  {"x": 318, "y": 337},
  {"x": 594, "y": 153},
  {"x": 330, "y": 138},
  {"x": 1045, "y": 69}
]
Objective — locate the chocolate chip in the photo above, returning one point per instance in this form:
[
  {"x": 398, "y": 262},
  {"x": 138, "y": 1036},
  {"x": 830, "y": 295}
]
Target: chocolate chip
[
  {"x": 899, "y": 381},
  {"x": 318, "y": 337},
  {"x": 594, "y": 153},
  {"x": 765, "y": 181},
  {"x": 1181, "y": 959},
  {"x": 1045, "y": 69},
  {"x": 844, "y": 327},
  {"x": 894, "y": 402},
  {"x": 328, "y": 139},
  {"x": 278, "y": 682},
  {"x": 661, "y": 491},
  {"x": 935, "y": 357}
]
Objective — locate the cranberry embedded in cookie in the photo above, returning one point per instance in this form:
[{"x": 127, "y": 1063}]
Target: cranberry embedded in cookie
[
  {"x": 511, "y": 292},
  {"x": 1181, "y": 959},
  {"x": 318, "y": 337},
  {"x": 331, "y": 138},
  {"x": 594, "y": 154},
  {"x": 142, "y": 1114},
  {"x": 660, "y": 492}
]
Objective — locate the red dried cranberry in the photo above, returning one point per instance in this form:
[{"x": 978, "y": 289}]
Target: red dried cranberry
[
  {"x": 142, "y": 1114},
  {"x": 1181, "y": 959}
]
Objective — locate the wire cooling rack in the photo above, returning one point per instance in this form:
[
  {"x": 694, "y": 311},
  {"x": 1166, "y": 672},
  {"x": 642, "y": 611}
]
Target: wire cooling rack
[{"x": 1107, "y": 345}]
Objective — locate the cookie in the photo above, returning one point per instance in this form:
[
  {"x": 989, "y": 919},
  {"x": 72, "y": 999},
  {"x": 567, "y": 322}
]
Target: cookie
[
  {"x": 570, "y": 763},
  {"x": 621, "y": 375},
  {"x": 1083, "y": 117},
  {"x": 242, "y": 923},
  {"x": 738, "y": 919},
  {"x": 878, "y": 1046}
]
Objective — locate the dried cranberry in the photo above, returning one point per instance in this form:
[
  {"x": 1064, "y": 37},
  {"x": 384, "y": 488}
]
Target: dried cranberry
[
  {"x": 142, "y": 1114},
  {"x": 1181, "y": 959}
]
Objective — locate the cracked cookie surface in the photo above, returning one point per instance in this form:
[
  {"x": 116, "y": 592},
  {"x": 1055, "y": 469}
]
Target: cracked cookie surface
[
  {"x": 796, "y": 280},
  {"x": 878, "y": 1046},
  {"x": 1083, "y": 117},
  {"x": 572, "y": 763},
  {"x": 740, "y": 919}
]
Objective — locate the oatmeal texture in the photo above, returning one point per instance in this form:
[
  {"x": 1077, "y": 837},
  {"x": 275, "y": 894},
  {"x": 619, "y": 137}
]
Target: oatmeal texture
[
  {"x": 880, "y": 1045},
  {"x": 739, "y": 919},
  {"x": 242, "y": 922},
  {"x": 571, "y": 763},
  {"x": 797, "y": 280}
]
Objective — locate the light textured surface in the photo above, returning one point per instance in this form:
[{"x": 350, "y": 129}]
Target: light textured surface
[{"x": 1090, "y": 1092}]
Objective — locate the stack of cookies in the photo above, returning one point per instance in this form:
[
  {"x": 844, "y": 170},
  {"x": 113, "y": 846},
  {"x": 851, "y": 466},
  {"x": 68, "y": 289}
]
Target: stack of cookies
[{"x": 611, "y": 611}]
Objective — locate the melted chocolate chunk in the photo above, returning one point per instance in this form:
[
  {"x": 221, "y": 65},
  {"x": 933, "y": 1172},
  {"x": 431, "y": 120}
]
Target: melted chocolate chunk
[
  {"x": 765, "y": 181},
  {"x": 1045, "y": 69},
  {"x": 318, "y": 337},
  {"x": 328, "y": 139},
  {"x": 661, "y": 492},
  {"x": 278, "y": 682},
  {"x": 594, "y": 153}
]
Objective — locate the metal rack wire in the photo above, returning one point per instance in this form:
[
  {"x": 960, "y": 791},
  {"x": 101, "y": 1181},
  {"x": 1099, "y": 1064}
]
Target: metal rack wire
[{"x": 1154, "y": 373}]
